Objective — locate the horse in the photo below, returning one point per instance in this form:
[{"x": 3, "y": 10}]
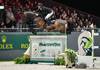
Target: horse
[{"x": 58, "y": 25}]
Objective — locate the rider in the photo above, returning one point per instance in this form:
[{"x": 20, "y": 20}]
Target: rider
[{"x": 45, "y": 12}]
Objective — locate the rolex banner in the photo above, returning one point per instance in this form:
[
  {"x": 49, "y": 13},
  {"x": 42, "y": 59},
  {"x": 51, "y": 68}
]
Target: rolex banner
[
  {"x": 13, "y": 41},
  {"x": 45, "y": 48}
]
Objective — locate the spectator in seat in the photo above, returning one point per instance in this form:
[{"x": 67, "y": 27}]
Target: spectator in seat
[
  {"x": 19, "y": 18},
  {"x": 10, "y": 19}
]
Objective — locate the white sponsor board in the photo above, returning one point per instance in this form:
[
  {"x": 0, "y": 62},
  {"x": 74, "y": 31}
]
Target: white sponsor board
[
  {"x": 45, "y": 48},
  {"x": 1, "y": 7}
]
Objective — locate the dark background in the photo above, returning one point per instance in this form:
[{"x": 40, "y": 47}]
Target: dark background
[{"x": 89, "y": 6}]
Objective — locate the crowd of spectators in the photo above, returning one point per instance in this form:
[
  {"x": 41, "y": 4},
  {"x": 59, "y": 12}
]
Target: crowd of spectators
[
  {"x": 75, "y": 19},
  {"x": 14, "y": 10}
]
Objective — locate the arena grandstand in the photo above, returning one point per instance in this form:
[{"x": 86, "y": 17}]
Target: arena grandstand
[{"x": 26, "y": 16}]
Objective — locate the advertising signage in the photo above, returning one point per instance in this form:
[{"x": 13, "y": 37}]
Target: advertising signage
[
  {"x": 45, "y": 48},
  {"x": 14, "y": 41}
]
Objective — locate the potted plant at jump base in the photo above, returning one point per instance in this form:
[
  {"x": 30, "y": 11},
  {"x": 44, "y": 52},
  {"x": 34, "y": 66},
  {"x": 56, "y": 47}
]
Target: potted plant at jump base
[
  {"x": 70, "y": 58},
  {"x": 67, "y": 58}
]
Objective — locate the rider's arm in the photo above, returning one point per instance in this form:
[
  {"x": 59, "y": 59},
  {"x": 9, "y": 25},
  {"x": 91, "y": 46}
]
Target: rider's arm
[
  {"x": 49, "y": 15},
  {"x": 51, "y": 12}
]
